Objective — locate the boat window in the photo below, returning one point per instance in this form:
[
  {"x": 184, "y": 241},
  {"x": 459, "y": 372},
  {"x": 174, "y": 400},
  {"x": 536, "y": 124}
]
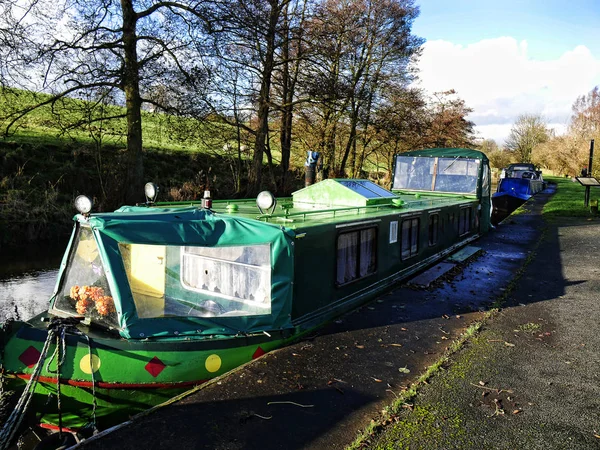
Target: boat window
[
  {"x": 414, "y": 173},
  {"x": 464, "y": 221},
  {"x": 84, "y": 290},
  {"x": 454, "y": 175},
  {"x": 457, "y": 175},
  {"x": 367, "y": 188},
  {"x": 356, "y": 254},
  {"x": 434, "y": 221},
  {"x": 485, "y": 182},
  {"x": 199, "y": 281},
  {"x": 410, "y": 238}
]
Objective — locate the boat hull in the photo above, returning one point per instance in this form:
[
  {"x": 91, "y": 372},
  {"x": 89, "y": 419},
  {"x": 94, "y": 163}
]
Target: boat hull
[{"x": 128, "y": 377}]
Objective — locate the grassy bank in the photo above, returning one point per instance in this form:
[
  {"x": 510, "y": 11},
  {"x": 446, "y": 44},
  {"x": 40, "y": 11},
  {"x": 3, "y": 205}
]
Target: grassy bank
[
  {"x": 39, "y": 181},
  {"x": 568, "y": 201}
]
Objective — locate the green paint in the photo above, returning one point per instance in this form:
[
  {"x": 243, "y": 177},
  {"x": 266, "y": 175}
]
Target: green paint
[{"x": 303, "y": 244}]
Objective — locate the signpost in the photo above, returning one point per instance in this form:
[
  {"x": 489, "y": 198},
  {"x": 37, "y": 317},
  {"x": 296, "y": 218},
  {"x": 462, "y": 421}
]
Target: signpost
[{"x": 586, "y": 202}]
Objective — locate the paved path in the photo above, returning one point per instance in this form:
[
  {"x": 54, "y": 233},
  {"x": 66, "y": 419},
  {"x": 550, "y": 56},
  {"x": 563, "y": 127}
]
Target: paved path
[
  {"x": 531, "y": 379},
  {"x": 349, "y": 371}
]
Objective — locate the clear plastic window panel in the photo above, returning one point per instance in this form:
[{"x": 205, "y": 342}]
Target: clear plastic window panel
[
  {"x": 199, "y": 281},
  {"x": 414, "y": 173},
  {"x": 84, "y": 290},
  {"x": 457, "y": 175}
]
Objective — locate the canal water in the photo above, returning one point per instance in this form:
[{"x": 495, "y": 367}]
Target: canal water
[{"x": 27, "y": 280}]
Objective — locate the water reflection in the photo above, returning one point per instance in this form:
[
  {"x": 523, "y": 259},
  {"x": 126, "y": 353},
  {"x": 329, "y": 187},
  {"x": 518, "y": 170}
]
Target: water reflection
[
  {"x": 27, "y": 280},
  {"x": 22, "y": 297}
]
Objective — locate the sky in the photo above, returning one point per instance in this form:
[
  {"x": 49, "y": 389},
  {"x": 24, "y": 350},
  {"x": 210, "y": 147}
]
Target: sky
[{"x": 509, "y": 57}]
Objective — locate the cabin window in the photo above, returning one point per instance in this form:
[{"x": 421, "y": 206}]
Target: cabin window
[
  {"x": 464, "y": 221},
  {"x": 199, "y": 281},
  {"x": 434, "y": 222},
  {"x": 237, "y": 278},
  {"x": 393, "y": 231},
  {"x": 410, "y": 238},
  {"x": 84, "y": 290},
  {"x": 356, "y": 254}
]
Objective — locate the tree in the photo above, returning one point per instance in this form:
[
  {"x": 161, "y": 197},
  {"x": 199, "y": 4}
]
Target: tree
[
  {"x": 448, "y": 123},
  {"x": 87, "y": 48},
  {"x": 527, "y": 132},
  {"x": 585, "y": 120},
  {"x": 357, "y": 48}
]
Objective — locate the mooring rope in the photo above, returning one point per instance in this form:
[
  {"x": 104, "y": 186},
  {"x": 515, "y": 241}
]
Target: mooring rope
[
  {"x": 57, "y": 330},
  {"x": 16, "y": 417}
]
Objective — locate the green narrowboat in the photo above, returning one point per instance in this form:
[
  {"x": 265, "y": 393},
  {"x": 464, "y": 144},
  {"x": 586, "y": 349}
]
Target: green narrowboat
[{"x": 159, "y": 297}]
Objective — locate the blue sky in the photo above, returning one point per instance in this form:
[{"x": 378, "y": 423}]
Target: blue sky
[{"x": 511, "y": 57}]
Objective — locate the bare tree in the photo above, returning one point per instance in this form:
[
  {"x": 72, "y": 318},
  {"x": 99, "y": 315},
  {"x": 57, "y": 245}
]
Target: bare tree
[
  {"x": 77, "y": 47},
  {"x": 585, "y": 121},
  {"x": 357, "y": 48},
  {"x": 527, "y": 132}
]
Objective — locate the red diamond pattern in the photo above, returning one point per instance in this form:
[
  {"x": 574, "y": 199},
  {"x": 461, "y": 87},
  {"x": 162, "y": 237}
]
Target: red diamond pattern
[
  {"x": 155, "y": 367},
  {"x": 30, "y": 356},
  {"x": 258, "y": 353}
]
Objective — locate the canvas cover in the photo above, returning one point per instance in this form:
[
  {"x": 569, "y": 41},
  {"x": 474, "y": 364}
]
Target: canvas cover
[
  {"x": 191, "y": 227},
  {"x": 484, "y": 176}
]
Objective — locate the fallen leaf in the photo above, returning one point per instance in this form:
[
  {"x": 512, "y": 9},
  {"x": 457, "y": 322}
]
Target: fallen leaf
[
  {"x": 403, "y": 329},
  {"x": 403, "y": 370},
  {"x": 517, "y": 411},
  {"x": 360, "y": 346}
]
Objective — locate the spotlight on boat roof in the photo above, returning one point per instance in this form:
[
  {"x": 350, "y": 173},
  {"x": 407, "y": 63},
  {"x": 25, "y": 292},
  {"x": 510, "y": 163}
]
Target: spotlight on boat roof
[
  {"x": 151, "y": 191},
  {"x": 266, "y": 202},
  {"x": 83, "y": 204}
]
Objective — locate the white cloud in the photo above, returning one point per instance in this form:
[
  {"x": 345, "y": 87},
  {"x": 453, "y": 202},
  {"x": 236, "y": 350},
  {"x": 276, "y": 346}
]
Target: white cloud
[{"x": 498, "y": 79}]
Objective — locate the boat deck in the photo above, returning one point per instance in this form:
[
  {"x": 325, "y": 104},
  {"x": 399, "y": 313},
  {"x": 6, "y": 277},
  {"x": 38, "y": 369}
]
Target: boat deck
[{"x": 290, "y": 214}]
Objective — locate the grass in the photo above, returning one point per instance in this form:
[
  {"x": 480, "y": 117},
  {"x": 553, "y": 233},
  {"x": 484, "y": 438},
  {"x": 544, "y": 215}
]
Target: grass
[
  {"x": 569, "y": 199},
  {"x": 530, "y": 327}
]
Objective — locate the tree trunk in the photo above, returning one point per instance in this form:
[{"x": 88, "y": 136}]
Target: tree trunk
[
  {"x": 351, "y": 140},
  {"x": 133, "y": 103},
  {"x": 285, "y": 137},
  {"x": 264, "y": 100}
]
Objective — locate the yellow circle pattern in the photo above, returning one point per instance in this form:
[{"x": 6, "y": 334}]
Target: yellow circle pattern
[
  {"x": 88, "y": 366},
  {"x": 213, "y": 363}
]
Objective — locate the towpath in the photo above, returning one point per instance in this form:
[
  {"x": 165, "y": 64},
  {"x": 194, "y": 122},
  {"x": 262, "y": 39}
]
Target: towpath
[{"x": 321, "y": 391}]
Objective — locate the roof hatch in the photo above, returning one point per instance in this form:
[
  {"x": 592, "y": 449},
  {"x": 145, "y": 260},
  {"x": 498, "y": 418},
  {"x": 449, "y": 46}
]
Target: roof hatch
[{"x": 343, "y": 192}]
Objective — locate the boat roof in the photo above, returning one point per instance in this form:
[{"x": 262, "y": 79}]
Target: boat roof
[
  {"x": 330, "y": 201},
  {"x": 447, "y": 153}
]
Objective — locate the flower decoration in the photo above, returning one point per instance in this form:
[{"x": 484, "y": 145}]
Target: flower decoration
[{"x": 89, "y": 297}]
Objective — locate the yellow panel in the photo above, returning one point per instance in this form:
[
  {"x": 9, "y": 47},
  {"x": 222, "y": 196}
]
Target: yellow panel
[{"x": 147, "y": 276}]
